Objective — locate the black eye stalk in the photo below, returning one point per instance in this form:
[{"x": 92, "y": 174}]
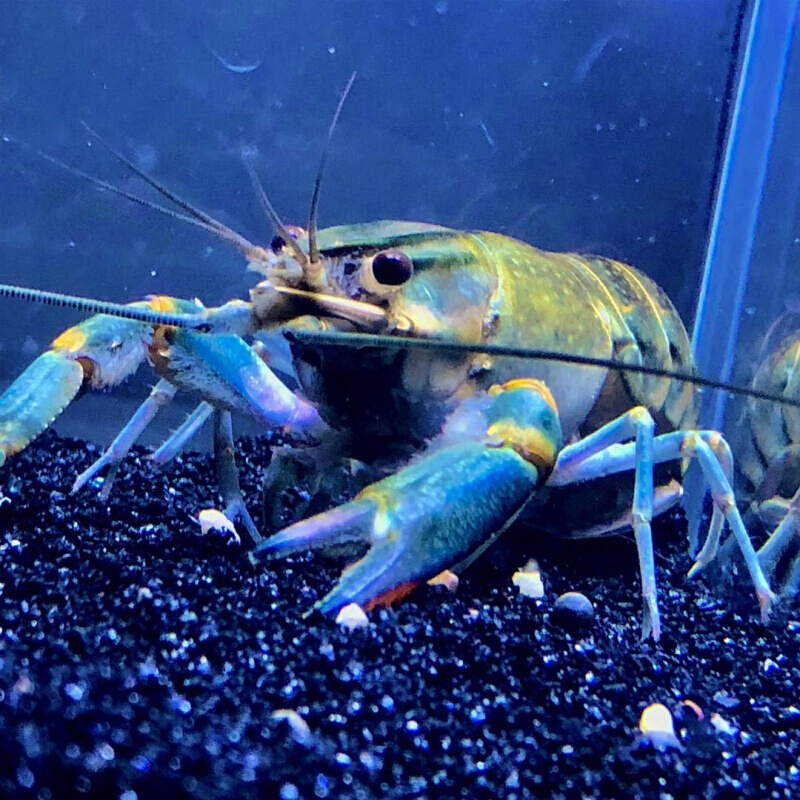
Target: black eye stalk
[
  {"x": 392, "y": 268},
  {"x": 278, "y": 242}
]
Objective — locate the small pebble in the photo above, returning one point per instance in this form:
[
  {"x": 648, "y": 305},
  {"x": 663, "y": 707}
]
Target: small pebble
[
  {"x": 726, "y": 700},
  {"x": 722, "y": 725},
  {"x": 657, "y": 727},
  {"x": 352, "y": 616},
  {"x": 144, "y": 593},
  {"x": 529, "y": 581},
  {"x": 573, "y": 610}
]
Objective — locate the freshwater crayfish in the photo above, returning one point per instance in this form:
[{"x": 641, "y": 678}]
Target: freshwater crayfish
[
  {"x": 485, "y": 439},
  {"x": 770, "y": 457}
]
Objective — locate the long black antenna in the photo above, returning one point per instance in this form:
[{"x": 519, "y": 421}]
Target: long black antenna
[
  {"x": 203, "y": 323},
  {"x": 91, "y": 306},
  {"x": 356, "y": 340}
]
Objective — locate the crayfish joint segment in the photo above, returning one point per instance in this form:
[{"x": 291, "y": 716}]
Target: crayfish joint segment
[
  {"x": 780, "y": 540},
  {"x": 603, "y": 453},
  {"x": 160, "y": 395},
  {"x": 230, "y": 374}
]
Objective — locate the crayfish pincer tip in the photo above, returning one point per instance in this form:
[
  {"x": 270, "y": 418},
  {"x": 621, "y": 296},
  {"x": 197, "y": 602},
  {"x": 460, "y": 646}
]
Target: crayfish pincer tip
[
  {"x": 651, "y": 629},
  {"x": 347, "y": 524},
  {"x": 651, "y": 619}
]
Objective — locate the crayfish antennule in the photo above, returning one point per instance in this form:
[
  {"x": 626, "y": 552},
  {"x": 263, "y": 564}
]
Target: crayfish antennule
[
  {"x": 257, "y": 257},
  {"x": 315, "y": 273},
  {"x": 313, "y": 251}
]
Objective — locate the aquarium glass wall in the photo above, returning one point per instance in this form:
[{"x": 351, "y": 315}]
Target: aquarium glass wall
[{"x": 771, "y": 306}]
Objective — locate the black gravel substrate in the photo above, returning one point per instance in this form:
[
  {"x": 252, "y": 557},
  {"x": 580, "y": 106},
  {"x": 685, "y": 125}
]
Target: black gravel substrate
[{"x": 140, "y": 660}]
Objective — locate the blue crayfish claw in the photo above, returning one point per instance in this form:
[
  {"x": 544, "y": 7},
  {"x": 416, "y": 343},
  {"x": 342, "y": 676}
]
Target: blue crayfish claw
[
  {"x": 97, "y": 353},
  {"x": 439, "y": 512}
]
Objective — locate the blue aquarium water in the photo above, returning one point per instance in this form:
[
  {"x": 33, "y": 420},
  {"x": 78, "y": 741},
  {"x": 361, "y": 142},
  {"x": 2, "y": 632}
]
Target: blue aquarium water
[
  {"x": 591, "y": 127},
  {"x": 745, "y": 308}
]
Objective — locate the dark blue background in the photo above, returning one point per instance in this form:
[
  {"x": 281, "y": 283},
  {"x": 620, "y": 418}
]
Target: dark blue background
[{"x": 572, "y": 124}]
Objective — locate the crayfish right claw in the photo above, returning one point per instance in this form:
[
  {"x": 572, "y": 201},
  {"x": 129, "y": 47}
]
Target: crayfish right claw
[
  {"x": 443, "y": 509},
  {"x": 430, "y": 516}
]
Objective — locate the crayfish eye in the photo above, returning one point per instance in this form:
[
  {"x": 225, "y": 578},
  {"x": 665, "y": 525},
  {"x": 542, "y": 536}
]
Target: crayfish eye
[
  {"x": 392, "y": 268},
  {"x": 278, "y": 242}
]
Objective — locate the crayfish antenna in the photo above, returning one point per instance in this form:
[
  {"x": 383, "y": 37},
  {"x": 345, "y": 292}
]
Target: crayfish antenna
[
  {"x": 193, "y": 216},
  {"x": 273, "y": 217},
  {"x": 313, "y": 251},
  {"x": 252, "y": 252}
]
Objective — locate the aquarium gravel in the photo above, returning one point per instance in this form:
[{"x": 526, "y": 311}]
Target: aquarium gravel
[{"x": 139, "y": 659}]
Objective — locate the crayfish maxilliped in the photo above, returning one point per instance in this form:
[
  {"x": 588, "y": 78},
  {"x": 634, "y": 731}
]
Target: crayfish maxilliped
[{"x": 480, "y": 440}]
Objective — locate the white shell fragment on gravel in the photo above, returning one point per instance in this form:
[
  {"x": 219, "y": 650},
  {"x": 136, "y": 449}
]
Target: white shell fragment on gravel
[
  {"x": 722, "y": 725},
  {"x": 529, "y": 581},
  {"x": 301, "y": 733},
  {"x": 447, "y": 579},
  {"x": 210, "y": 519},
  {"x": 657, "y": 727},
  {"x": 352, "y": 616}
]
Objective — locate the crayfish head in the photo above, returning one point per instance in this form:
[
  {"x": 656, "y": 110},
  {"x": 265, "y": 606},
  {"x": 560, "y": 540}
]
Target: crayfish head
[{"x": 284, "y": 262}]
